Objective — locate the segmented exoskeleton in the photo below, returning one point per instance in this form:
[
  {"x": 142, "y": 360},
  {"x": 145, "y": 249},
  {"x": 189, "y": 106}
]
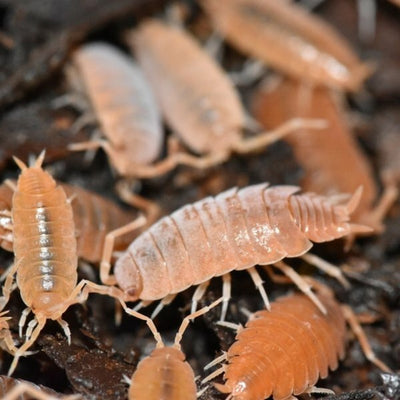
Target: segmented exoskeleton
[{"x": 233, "y": 231}]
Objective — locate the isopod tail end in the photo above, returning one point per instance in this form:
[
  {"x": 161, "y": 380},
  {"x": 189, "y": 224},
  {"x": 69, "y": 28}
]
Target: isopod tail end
[
  {"x": 354, "y": 200},
  {"x": 39, "y": 160},
  {"x": 20, "y": 163}
]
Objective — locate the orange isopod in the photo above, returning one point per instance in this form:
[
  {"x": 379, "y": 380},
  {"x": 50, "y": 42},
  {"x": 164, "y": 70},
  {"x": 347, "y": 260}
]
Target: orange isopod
[
  {"x": 285, "y": 351},
  {"x": 196, "y": 97},
  {"x": 290, "y": 39},
  {"x": 233, "y": 231},
  {"x": 123, "y": 104},
  {"x": 165, "y": 374},
  {"x": 328, "y": 156},
  {"x": 94, "y": 217},
  {"x": 45, "y": 250}
]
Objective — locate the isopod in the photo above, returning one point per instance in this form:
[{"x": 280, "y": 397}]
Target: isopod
[
  {"x": 289, "y": 39},
  {"x": 285, "y": 351},
  {"x": 123, "y": 104},
  {"x": 45, "y": 251},
  {"x": 116, "y": 96},
  {"x": 328, "y": 156},
  {"x": 197, "y": 99},
  {"x": 165, "y": 374},
  {"x": 93, "y": 214},
  {"x": 233, "y": 231}
]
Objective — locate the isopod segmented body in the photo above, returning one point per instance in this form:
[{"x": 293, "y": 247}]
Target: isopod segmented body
[
  {"x": 233, "y": 231},
  {"x": 45, "y": 250},
  {"x": 287, "y": 37},
  {"x": 94, "y": 216},
  {"x": 44, "y": 241},
  {"x": 285, "y": 351},
  {"x": 124, "y": 106}
]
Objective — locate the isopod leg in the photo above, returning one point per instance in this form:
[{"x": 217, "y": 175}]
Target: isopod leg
[
  {"x": 65, "y": 327},
  {"x": 226, "y": 294},
  {"x": 71, "y": 100},
  {"x": 264, "y": 139},
  {"x": 23, "y": 388},
  {"x": 258, "y": 282},
  {"x": 389, "y": 196},
  {"x": 28, "y": 343},
  {"x": 164, "y": 302},
  {"x": 198, "y": 294},
  {"x": 362, "y": 338},
  {"x": 328, "y": 268},
  {"x": 10, "y": 184},
  {"x": 300, "y": 283},
  {"x": 173, "y": 160},
  {"x": 8, "y": 285},
  {"x": 213, "y": 375},
  {"x": 150, "y": 208},
  {"x": 314, "y": 389},
  {"x": 190, "y": 317},
  {"x": 105, "y": 265}
]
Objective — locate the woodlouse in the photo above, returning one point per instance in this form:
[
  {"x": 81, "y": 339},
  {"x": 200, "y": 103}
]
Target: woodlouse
[
  {"x": 45, "y": 252},
  {"x": 197, "y": 99},
  {"x": 123, "y": 104},
  {"x": 112, "y": 86},
  {"x": 265, "y": 359},
  {"x": 94, "y": 216},
  {"x": 290, "y": 39},
  {"x": 233, "y": 231},
  {"x": 328, "y": 156},
  {"x": 165, "y": 374}
]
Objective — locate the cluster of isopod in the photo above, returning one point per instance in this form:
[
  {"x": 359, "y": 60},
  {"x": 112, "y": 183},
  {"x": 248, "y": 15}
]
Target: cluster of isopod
[{"x": 165, "y": 109}]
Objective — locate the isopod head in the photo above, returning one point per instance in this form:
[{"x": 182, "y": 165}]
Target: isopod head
[{"x": 128, "y": 276}]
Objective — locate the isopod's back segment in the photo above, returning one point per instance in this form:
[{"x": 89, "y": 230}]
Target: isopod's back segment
[
  {"x": 289, "y": 39},
  {"x": 326, "y": 156}
]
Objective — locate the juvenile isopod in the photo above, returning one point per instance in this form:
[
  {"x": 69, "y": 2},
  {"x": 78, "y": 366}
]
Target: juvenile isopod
[
  {"x": 165, "y": 374},
  {"x": 284, "y": 352},
  {"x": 233, "y": 231},
  {"x": 93, "y": 214},
  {"x": 289, "y": 39},
  {"x": 328, "y": 156},
  {"x": 45, "y": 251},
  {"x": 197, "y": 99}
]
